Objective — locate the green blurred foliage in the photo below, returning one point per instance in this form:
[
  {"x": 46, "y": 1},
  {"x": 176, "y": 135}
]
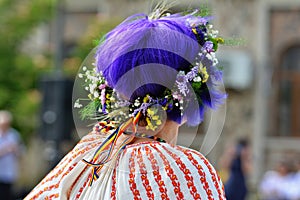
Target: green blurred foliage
[
  {"x": 94, "y": 33},
  {"x": 19, "y": 73}
]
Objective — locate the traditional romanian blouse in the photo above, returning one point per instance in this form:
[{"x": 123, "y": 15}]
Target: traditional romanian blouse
[{"x": 147, "y": 170}]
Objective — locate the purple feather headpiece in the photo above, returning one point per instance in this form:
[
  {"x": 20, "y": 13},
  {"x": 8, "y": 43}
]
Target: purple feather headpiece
[{"x": 169, "y": 61}]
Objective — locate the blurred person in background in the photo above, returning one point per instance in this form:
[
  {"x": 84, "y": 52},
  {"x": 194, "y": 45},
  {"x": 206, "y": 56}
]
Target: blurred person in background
[
  {"x": 281, "y": 183},
  {"x": 239, "y": 167},
  {"x": 225, "y": 160},
  {"x": 297, "y": 179},
  {"x": 9, "y": 143}
]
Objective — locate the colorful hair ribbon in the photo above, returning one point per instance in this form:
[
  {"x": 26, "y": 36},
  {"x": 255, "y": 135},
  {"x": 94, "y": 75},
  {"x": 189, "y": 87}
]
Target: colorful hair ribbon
[{"x": 110, "y": 145}]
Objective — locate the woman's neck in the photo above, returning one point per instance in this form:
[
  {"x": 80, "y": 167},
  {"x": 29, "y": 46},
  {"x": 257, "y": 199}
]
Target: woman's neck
[{"x": 169, "y": 133}]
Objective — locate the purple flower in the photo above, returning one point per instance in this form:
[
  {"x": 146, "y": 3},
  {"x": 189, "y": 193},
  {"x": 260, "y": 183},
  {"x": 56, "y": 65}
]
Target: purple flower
[
  {"x": 182, "y": 86},
  {"x": 142, "y": 108},
  {"x": 103, "y": 99},
  {"x": 208, "y": 46},
  {"x": 192, "y": 74},
  {"x": 102, "y": 86},
  {"x": 196, "y": 21}
]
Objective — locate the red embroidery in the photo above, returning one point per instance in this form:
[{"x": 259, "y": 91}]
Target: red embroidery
[
  {"x": 214, "y": 176},
  {"x": 113, "y": 187},
  {"x": 187, "y": 174},
  {"x": 156, "y": 174},
  {"x": 144, "y": 178},
  {"x": 57, "y": 174},
  {"x": 82, "y": 187},
  {"x": 170, "y": 173},
  {"x": 131, "y": 181},
  {"x": 52, "y": 196}
]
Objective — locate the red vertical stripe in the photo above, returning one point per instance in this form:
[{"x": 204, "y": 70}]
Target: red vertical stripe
[
  {"x": 131, "y": 181},
  {"x": 171, "y": 174},
  {"x": 113, "y": 186},
  {"x": 156, "y": 174},
  {"x": 187, "y": 174},
  {"x": 144, "y": 177}
]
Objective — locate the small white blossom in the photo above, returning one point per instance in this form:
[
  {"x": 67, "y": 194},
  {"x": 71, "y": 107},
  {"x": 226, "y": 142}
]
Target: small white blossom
[
  {"x": 96, "y": 94},
  {"x": 197, "y": 79},
  {"x": 216, "y": 61},
  {"x": 84, "y": 68},
  {"x": 92, "y": 87},
  {"x": 208, "y": 56},
  {"x": 80, "y": 75},
  {"x": 77, "y": 105}
]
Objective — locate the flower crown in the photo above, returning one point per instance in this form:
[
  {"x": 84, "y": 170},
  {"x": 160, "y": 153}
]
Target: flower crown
[{"x": 107, "y": 104}]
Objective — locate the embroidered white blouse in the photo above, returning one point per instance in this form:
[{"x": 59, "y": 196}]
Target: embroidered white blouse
[{"x": 147, "y": 170}]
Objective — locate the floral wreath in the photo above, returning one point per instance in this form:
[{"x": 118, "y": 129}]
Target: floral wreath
[{"x": 107, "y": 104}]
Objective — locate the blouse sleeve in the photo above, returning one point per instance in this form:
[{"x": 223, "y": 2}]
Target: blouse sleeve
[
  {"x": 212, "y": 186},
  {"x": 57, "y": 184}
]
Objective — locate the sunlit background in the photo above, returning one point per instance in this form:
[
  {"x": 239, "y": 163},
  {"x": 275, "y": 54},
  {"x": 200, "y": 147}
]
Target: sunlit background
[{"x": 43, "y": 43}]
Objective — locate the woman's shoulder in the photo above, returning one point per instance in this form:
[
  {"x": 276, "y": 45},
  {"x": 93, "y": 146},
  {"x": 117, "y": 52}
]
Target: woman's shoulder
[
  {"x": 170, "y": 152},
  {"x": 176, "y": 165}
]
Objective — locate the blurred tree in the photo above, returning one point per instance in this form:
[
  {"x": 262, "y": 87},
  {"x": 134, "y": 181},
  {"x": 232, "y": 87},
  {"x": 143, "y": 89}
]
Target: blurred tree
[
  {"x": 19, "y": 73},
  {"x": 89, "y": 40}
]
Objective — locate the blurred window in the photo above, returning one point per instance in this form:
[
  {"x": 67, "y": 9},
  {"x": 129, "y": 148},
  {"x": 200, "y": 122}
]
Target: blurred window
[{"x": 288, "y": 108}]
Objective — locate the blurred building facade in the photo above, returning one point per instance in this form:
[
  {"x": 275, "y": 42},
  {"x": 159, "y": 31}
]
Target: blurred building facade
[{"x": 262, "y": 76}]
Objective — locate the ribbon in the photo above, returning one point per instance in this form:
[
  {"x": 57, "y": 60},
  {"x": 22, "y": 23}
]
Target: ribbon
[{"x": 106, "y": 150}]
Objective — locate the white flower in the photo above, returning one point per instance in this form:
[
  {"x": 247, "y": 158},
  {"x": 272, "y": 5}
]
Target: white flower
[
  {"x": 96, "y": 94},
  {"x": 209, "y": 57},
  {"x": 87, "y": 88},
  {"x": 77, "y": 104},
  {"x": 197, "y": 79},
  {"x": 80, "y": 75},
  {"x": 216, "y": 61},
  {"x": 84, "y": 68}
]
